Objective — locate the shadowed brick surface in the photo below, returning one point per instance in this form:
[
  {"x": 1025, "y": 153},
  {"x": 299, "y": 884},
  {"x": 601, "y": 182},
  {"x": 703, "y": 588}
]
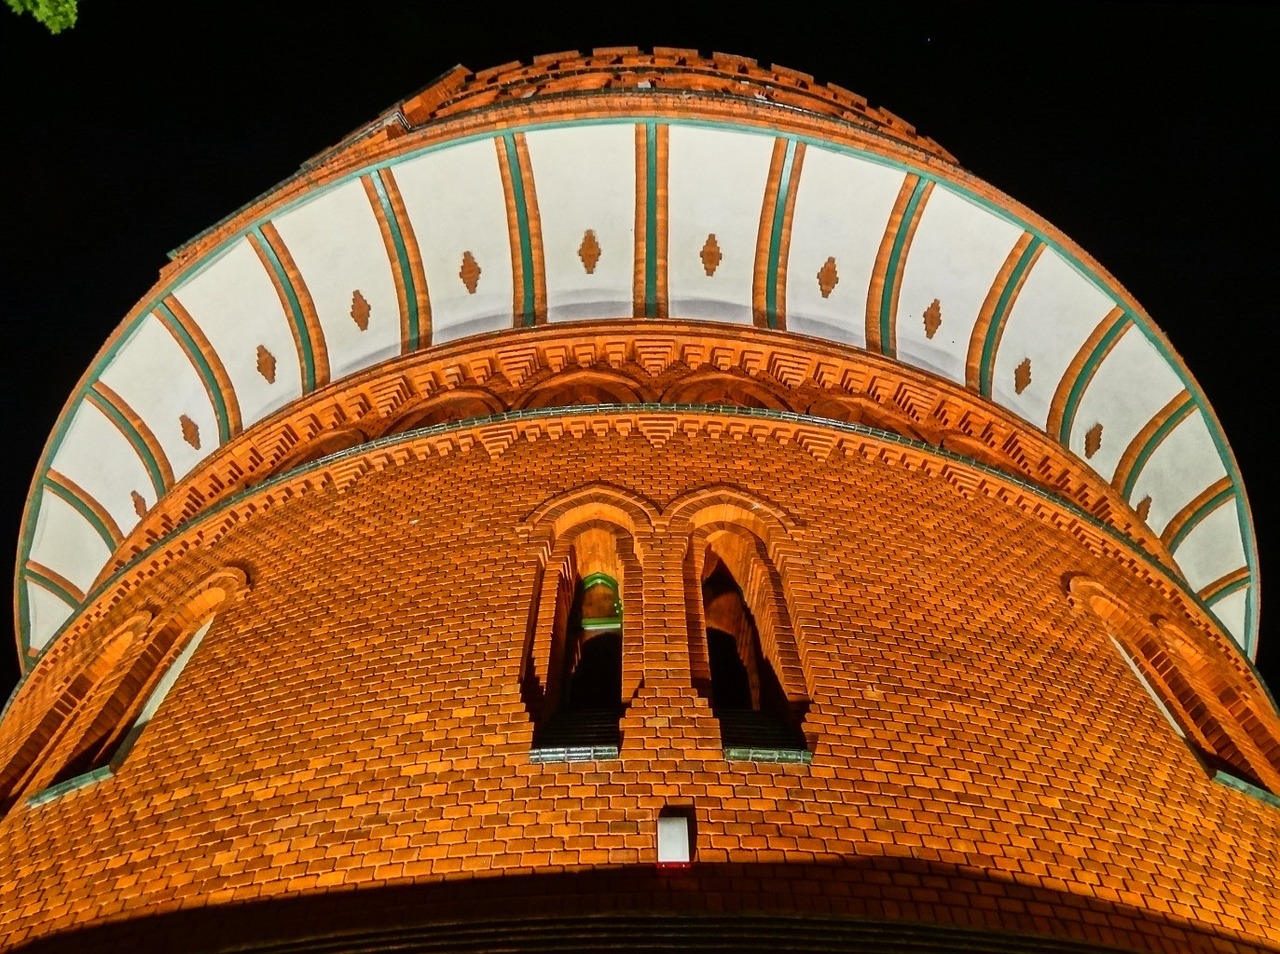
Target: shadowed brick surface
[{"x": 353, "y": 726}]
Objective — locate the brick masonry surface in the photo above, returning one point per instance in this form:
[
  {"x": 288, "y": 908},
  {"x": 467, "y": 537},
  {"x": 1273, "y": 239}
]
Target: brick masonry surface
[{"x": 353, "y": 726}]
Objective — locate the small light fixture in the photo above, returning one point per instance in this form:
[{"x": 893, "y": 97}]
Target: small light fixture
[{"x": 675, "y": 837}]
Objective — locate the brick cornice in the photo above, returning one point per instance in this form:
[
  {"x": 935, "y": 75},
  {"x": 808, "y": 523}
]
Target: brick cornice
[
  {"x": 652, "y": 361},
  {"x": 827, "y": 441}
]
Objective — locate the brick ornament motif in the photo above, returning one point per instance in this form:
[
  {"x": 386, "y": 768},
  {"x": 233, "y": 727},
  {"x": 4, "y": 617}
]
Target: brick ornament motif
[
  {"x": 190, "y": 431},
  {"x": 828, "y": 277},
  {"x": 1092, "y": 440},
  {"x": 360, "y": 310},
  {"x": 932, "y": 318},
  {"x": 589, "y": 251},
  {"x": 1022, "y": 376},
  {"x": 469, "y": 273},
  {"x": 139, "y": 503},
  {"x": 710, "y": 255},
  {"x": 266, "y": 364}
]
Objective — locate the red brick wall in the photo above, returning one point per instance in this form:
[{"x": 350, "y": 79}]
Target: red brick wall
[{"x": 983, "y": 757}]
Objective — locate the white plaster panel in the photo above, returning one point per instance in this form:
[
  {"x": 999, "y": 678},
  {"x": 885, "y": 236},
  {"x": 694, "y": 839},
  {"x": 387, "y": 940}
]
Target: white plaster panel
[
  {"x": 1129, "y": 388},
  {"x": 586, "y": 179},
  {"x": 101, "y": 460},
  {"x": 236, "y": 306},
  {"x": 170, "y": 677},
  {"x": 1230, "y": 611},
  {"x": 955, "y": 256},
  {"x": 1179, "y": 470},
  {"x": 1213, "y": 549},
  {"x": 156, "y": 379},
  {"x": 1054, "y": 313},
  {"x": 337, "y": 245},
  {"x": 46, "y": 614},
  {"x": 454, "y": 200},
  {"x": 67, "y": 543},
  {"x": 716, "y": 184},
  {"x": 842, "y": 205}
]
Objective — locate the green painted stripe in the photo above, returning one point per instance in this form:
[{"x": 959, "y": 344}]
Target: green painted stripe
[
  {"x": 134, "y": 438},
  {"x": 22, "y": 618},
  {"x": 986, "y": 365},
  {"x": 402, "y": 254},
  {"x": 631, "y": 119},
  {"x": 1086, "y": 375},
  {"x": 1235, "y": 587},
  {"x": 775, "y": 240},
  {"x": 1152, "y": 443},
  {"x": 203, "y": 368},
  {"x": 295, "y": 312},
  {"x": 1250, "y": 637},
  {"x": 1240, "y": 785},
  {"x": 651, "y": 220},
  {"x": 529, "y": 314},
  {"x": 895, "y": 263},
  {"x": 1206, "y": 508},
  {"x": 591, "y": 579},
  {"x": 83, "y": 509},
  {"x": 53, "y": 586}
]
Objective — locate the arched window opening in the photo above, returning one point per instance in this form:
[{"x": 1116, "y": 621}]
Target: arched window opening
[
  {"x": 110, "y": 736},
  {"x": 1201, "y": 700},
  {"x": 583, "y": 704},
  {"x": 747, "y": 698},
  {"x": 32, "y": 765}
]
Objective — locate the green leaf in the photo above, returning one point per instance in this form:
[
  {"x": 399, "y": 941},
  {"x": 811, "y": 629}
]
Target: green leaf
[{"x": 57, "y": 15}]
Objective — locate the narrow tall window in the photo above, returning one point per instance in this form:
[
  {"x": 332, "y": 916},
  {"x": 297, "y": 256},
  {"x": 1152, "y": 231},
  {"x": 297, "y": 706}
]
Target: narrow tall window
[
  {"x": 746, "y": 695},
  {"x": 108, "y": 741},
  {"x": 586, "y": 699}
]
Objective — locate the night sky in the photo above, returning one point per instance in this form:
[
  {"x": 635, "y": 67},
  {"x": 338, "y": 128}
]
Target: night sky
[{"x": 1147, "y": 134}]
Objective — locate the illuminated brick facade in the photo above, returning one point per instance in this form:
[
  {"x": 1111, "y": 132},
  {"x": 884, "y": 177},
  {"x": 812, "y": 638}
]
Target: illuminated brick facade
[{"x": 903, "y": 665}]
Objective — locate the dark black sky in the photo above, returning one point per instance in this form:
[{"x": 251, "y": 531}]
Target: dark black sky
[{"x": 1145, "y": 132}]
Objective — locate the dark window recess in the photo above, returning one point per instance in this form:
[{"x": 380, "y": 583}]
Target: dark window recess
[
  {"x": 584, "y": 723},
  {"x": 746, "y": 696}
]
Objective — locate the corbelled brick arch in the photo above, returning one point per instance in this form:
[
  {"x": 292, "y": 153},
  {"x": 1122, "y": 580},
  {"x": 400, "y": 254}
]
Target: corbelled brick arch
[
  {"x": 432, "y": 389},
  {"x": 556, "y": 530}
]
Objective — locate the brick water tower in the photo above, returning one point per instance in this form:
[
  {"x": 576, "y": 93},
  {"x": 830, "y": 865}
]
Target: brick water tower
[{"x": 646, "y": 501}]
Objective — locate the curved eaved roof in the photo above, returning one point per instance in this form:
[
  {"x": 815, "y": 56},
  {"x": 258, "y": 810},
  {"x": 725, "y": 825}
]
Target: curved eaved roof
[{"x": 619, "y": 185}]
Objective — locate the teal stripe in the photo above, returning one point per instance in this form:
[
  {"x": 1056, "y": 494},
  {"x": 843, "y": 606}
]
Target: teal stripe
[
  {"x": 1206, "y": 508},
  {"x": 895, "y": 263},
  {"x": 775, "y": 240},
  {"x": 1250, "y": 640},
  {"x": 23, "y": 619},
  {"x": 529, "y": 310},
  {"x": 203, "y": 369},
  {"x": 295, "y": 312},
  {"x": 651, "y": 220},
  {"x": 132, "y": 434},
  {"x": 83, "y": 509},
  {"x": 52, "y": 586},
  {"x": 1086, "y": 374},
  {"x": 1150, "y": 446},
  {"x": 1235, "y": 587},
  {"x": 987, "y": 362},
  {"x": 402, "y": 256}
]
